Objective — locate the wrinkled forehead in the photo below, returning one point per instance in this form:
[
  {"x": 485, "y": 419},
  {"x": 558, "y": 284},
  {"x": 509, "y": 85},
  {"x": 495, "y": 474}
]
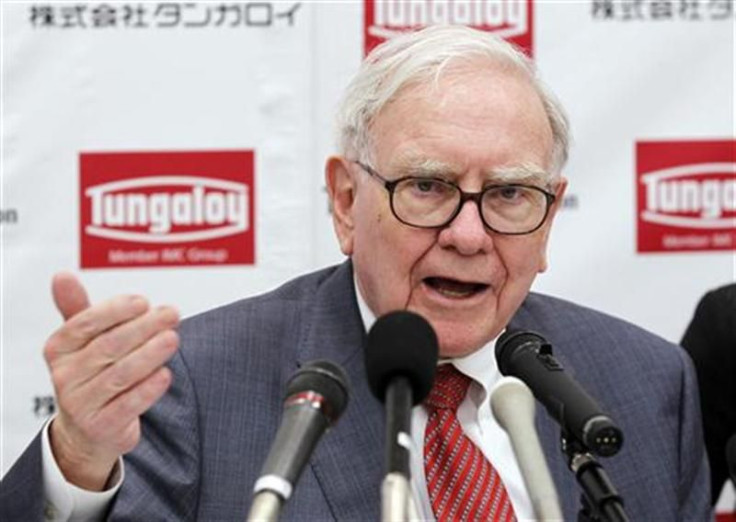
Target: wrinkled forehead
[{"x": 452, "y": 94}]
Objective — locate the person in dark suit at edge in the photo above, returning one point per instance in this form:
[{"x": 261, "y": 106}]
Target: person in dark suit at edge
[
  {"x": 710, "y": 339},
  {"x": 444, "y": 190}
]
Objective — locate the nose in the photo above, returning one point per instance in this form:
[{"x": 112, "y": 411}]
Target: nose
[{"x": 466, "y": 233}]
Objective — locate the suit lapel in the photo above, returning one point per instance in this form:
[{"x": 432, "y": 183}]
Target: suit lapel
[{"x": 348, "y": 462}]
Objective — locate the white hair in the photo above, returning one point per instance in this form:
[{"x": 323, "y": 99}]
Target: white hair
[{"x": 421, "y": 56}]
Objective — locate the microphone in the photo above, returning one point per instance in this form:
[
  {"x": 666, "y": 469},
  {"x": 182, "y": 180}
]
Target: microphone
[
  {"x": 528, "y": 356},
  {"x": 512, "y": 404},
  {"x": 731, "y": 457},
  {"x": 316, "y": 396},
  {"x": 400, "y": 361}
]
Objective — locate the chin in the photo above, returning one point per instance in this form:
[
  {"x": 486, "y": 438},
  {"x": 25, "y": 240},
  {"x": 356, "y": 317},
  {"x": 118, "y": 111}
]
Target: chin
[
  {"x": 460, "y": 336},
  {"x": 453, "y": 345}
]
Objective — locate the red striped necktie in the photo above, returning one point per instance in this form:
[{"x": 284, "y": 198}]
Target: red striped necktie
[{"x": 462, "y": 484}]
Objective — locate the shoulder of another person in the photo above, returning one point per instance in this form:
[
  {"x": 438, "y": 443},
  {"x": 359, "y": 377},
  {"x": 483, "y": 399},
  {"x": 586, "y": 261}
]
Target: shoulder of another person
[{"x": 720, "y": 302}]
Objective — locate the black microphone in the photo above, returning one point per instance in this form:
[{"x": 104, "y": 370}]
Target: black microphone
[
  {"x": 400, "y": 360},
  {"x": 528, "y": 356},
  {"x": 316, "y": 396},
  {"x": 731, "y": 457}
]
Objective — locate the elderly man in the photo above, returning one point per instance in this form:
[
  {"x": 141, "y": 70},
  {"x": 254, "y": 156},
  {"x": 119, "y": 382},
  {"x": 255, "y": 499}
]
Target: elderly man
[{"x": 443, "y": 196}]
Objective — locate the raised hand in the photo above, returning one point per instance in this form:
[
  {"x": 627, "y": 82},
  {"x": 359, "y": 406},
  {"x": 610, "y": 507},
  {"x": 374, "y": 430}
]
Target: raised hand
[{"x": 107, "y": 367}]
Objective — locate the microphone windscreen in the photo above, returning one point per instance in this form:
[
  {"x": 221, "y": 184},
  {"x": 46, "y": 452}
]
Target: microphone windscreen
[
  {"x": 325, "y": 378},
  {"x": 401, "y": 344},
  {"x": 509, "y": 342}
]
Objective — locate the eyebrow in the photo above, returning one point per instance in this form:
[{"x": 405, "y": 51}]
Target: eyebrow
[
  {"x": 524, "y": 173},
  {"x": 426, "y": 167}
]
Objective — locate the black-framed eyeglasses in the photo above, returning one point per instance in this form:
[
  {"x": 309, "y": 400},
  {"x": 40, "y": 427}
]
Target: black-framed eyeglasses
[{"x": 426, "y": 202}]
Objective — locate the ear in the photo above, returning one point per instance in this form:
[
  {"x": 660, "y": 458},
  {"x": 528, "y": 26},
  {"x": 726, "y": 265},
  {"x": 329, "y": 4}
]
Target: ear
[
  {"x": 341, "y": 189},
  {"x": 559, "y": 195}
]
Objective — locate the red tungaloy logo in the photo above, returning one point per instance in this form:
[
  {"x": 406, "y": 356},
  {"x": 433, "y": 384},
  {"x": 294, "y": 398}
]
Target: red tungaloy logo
[
  {"x": 121, "y": 208},
  {"x": 166, "y": 208},
  {"x": 509, "y": 19},
  {"x": 686, "y": 196}
]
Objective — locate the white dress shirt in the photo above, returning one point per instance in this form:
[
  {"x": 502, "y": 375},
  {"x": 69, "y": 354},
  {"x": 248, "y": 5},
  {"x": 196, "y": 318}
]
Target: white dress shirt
[{"x": 64, "y": 501}]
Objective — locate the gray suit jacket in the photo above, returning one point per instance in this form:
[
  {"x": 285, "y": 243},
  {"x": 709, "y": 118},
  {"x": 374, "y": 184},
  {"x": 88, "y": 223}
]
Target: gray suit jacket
[{"x": 205, "y": 442}]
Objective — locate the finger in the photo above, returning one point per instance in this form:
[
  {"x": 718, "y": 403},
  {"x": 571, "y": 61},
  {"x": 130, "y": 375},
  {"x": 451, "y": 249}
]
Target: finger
[
  {"x": 118, "y": 342},
  {"x": 125, "y": 374},
  {"x": 108, "y": 429},
  {"x": 69, "y": 294},
  {"x": 111, "y": 346},
  {"x": 76, "y": 332},
  {"x": 117, "y": 415}
]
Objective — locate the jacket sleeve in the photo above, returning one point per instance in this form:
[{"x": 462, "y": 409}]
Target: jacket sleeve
[
  {"x": 21, "y": 490},
  {"x": 694, "y": 484},
  {"x": 162, "y": 472}
]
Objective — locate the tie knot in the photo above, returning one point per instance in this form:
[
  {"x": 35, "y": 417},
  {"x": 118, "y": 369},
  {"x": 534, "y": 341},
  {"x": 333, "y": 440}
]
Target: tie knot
[{"x": 449, "y": 389}]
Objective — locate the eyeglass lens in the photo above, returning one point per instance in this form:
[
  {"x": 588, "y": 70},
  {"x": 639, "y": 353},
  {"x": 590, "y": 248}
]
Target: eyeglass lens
[{"x": 432, "y": 202}]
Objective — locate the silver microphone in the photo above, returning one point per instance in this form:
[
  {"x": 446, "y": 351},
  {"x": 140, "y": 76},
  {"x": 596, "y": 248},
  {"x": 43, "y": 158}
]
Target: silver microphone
[
  {"x": 512, "y": 404},
  {"x": 316, "y": 396}
]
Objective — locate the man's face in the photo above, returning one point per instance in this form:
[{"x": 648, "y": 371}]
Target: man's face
[{"x": 466, "y": 280}]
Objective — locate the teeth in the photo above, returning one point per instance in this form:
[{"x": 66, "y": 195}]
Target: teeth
[
  {"x": 453, "y": 293},
  {"x": 452, "y": 288}
]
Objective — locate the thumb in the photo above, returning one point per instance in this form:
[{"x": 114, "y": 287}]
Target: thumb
[{"x": 70, "y": 296}]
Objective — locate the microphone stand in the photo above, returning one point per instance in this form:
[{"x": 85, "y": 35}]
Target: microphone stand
[
  {"x": 395, "y": 490},
  {"x": 601, "y": 502}
]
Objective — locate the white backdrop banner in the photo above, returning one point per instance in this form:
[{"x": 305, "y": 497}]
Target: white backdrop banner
[{"x": 177, "y": 150}]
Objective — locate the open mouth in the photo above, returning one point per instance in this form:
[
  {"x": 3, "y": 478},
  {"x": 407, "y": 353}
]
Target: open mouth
[{"x": 453, "y": 288}]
